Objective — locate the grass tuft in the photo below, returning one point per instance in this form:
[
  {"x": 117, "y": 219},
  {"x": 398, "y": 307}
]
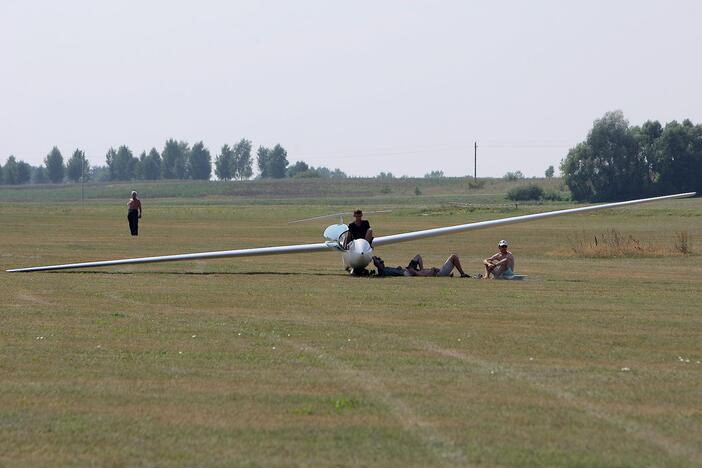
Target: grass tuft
[
  {"x": 682, "y": 243},
  {"x": 343, "y": 403}
]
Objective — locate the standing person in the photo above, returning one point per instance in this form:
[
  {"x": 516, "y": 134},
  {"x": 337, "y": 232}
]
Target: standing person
[
  {"x": 501, "y": 265},
  {"x": 134, "y": 213},
  {"x": 359, "y": 229}
]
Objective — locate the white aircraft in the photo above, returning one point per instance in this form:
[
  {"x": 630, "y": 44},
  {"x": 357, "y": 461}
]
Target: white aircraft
[{"x": 359, "y": 252}]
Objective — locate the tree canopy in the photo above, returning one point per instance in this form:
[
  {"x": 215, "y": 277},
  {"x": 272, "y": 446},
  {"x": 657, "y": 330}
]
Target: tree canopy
[
  {"x": 39, "y": 175},
  {"x": 242, "y": 160},
  {"x": 121, "y": 163},
  {"x": 174, "y": 159},
  {"x": 617, "y": 161},
  {"x": 151, "y": 165},
  {"x": 200, "y": 162},
  {"x": 54, "y": 165},
  {"x": 10, "y": 171},
  {"x": 224, "y": 163},
  {"x": 75, "y": 165}
]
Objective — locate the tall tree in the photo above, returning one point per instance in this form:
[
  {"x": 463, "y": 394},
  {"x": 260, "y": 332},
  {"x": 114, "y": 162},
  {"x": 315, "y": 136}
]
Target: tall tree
[
  {"x": 24, "y": 172},
  {"x": 39, "y": 175},
  {"x": 16, "y": 172},
  {"x": 2, "y": 177},
  {"x": 277, "y": 162},
  {"x": 76, "y": 164},
  {"x": 200, "y": 162},
  {"x": 110, "y": 162},
  {"x": 123, "y": 164},
  {"x": 151, "y": 165},
  {"x": 224, "y": 163},
  {"x": 677, "y": 160},
  {"x": 139, "y": 166},
  {"x": 242, "y": 160},
  {"x": 549, "y": 172},
  {"x": 174, "y": 158},
  {"x": 10, "y": 171},
  {"x": 263, "y": 156},
  {"x": 54, "y": 165},
  {"x": 608, "y": 164}
]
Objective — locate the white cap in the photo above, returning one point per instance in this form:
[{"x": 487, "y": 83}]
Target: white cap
[{"x": 502, "y": 243}]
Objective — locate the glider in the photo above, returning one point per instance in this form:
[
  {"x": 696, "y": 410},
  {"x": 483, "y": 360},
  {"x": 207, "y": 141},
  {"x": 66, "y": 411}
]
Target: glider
[{"x": 359, "y": 252}]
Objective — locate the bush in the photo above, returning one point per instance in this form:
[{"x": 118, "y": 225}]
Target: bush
[
  {"x": 476, "y": 184},
  {"x": 552, "y": 195},
  {"x": 526, "y": 192},
  {"x": 516, "y": 175}
]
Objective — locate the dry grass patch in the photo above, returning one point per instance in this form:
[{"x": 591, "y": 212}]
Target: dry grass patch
[{"x": 612, "y": 243}]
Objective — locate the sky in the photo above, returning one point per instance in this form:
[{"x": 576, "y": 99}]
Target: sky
[{"x": 366, "y": 86}]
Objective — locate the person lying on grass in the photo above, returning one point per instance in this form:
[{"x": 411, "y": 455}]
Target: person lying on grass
[{"x": 416, "y": 268}]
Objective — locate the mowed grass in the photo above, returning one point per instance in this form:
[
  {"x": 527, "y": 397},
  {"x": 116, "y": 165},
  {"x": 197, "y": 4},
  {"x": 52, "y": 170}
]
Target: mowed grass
[{"x": 286, "y": 360}]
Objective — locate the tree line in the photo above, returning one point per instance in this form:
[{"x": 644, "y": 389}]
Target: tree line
[
  {"x": 618, "y": 161},
  {"x": 177, "y": 160}
]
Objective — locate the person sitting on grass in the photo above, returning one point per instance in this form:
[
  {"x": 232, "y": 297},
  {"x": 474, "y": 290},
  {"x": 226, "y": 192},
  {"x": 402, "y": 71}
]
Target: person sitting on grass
[{"x": 500, "y": 265}]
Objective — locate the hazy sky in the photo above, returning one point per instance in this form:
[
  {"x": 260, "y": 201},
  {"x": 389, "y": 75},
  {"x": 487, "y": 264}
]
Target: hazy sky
[{"x": 365, "y": 86}]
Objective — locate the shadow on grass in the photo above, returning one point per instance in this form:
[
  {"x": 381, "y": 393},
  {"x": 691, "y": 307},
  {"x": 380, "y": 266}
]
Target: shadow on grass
[{"x": 199, "y": 273}]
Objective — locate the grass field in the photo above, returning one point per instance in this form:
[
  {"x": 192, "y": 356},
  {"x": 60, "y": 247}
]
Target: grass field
[{"x": 286, "y": 360}]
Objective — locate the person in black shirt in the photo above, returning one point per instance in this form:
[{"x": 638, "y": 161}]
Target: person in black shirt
[{"x": 359, "y": 229}]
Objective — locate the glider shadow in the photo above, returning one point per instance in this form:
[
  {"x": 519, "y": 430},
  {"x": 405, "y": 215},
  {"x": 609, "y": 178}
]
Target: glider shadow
[{"x": 197, "y": 273}]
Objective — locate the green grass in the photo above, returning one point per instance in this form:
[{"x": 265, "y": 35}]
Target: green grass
[{"x": 288, "y": 361}]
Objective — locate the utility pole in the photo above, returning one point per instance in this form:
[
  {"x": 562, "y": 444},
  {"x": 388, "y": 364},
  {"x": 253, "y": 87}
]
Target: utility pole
[
  {"x": 82, "y": 177},
  {"x": 475, "y": 161}
]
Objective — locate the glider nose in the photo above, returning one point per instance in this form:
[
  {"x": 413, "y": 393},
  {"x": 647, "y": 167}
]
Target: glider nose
[{"x": 359, "y": 253}]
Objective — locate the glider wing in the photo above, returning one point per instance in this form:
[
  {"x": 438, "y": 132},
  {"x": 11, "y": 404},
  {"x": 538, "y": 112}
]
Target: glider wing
[
  {"x": 334, "y": 246},
  {"x": 285, "y": 249},
  {"x": 408, "y": 236}
]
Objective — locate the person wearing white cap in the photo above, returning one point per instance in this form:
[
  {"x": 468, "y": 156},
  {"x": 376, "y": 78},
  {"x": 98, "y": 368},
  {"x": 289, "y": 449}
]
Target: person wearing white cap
[{"x": 500, "y": 265}]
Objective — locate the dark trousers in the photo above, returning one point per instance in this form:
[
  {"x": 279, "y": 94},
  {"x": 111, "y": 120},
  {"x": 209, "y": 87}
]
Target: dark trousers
[{"x": 133, "y": 217}]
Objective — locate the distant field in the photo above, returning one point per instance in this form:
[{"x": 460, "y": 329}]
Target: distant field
[
  {"x": 358, "y": 190},
  {"x": 273, "y": 361}
]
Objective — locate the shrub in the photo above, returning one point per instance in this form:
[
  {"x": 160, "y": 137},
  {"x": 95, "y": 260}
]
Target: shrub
[
  {"x": 476, "y": 184},
  {"x": 526, "y": 192},
  {"x": 516, "y": 175},
  {"x": 552, "y": 195}
]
